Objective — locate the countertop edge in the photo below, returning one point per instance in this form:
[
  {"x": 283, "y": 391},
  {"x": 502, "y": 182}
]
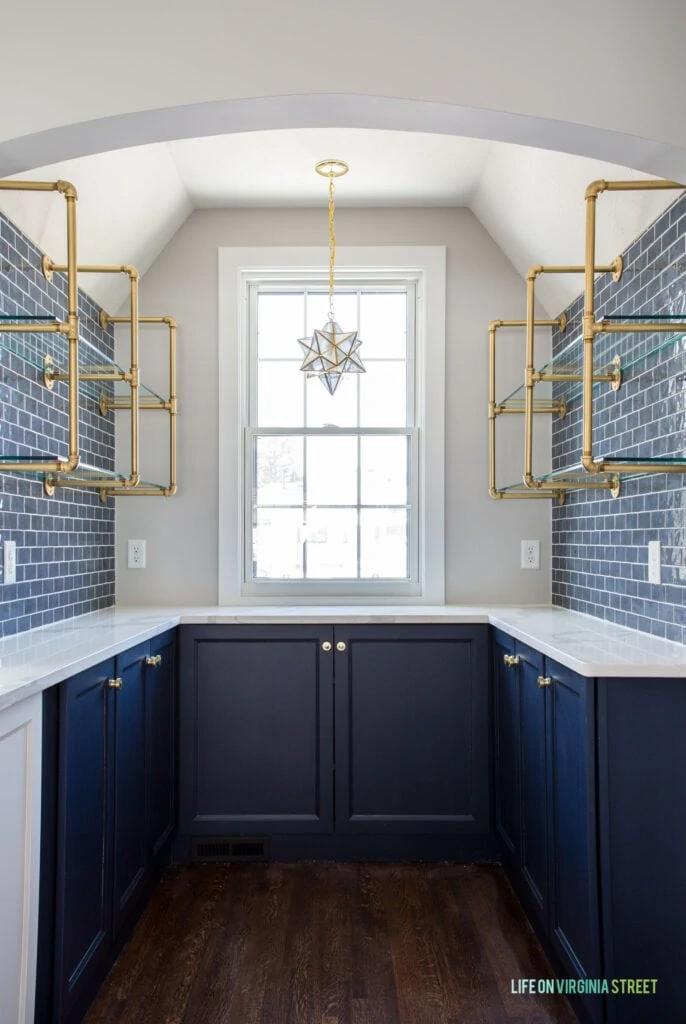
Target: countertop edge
[{"x": 29, "y": 664}]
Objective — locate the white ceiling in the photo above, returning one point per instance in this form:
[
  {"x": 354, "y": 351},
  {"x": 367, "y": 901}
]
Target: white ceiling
[{"x": 131, "y": 202}]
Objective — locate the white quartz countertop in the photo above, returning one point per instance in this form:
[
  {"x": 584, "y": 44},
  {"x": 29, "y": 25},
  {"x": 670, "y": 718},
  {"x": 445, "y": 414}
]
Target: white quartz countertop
[{"x": 32, "y": 661}]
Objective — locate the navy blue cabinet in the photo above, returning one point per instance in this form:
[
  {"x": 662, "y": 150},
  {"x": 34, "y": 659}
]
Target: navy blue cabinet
[
  {"x": 256, "y": 712},
  {"x": 411, "y": 729},
  {"x": 161, "y": 731},
  {"x": 129, "y": 826},
  {"x": 506, "y": 730},
  {"x": 116, "y": 811},
  {"x": 534, "y": 840},
  {"x": 83, "y": 919},
  {"x": 544, "y": 728},
  {"x": 642, "y": 797},
  {"x": 574, "y": 906},
  {"x": 411, "y": 736}
]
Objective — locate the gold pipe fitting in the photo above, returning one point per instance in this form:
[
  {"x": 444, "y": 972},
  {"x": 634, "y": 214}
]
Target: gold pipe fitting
[
  {"x": 66, "y": 189},
  {"x": 594, "y": 189}
]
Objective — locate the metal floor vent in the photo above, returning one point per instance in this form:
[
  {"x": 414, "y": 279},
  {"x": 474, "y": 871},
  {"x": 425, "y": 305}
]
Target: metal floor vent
[{"x": 224, "y": 849}]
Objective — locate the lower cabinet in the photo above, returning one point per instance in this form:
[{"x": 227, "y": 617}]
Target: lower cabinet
[
  {"x": 20, "y": 802},
  {"x": 115, "y": 813},
  {"x": 256, "y": 740},
  {"x": 406, "y": 705},
  {"x": 642, "y": 796},
  {"x": 545, "y": 803},
  {"x": 411, "y": 729}
]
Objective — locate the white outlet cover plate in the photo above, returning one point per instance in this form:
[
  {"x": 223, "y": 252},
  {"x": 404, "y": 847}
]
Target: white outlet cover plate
[
  {"x": 136, "y": 554},
  {"x": 531, "y": 554},
  {"x": 10, "y": 561},
  {"x": 654, "y": 562}
]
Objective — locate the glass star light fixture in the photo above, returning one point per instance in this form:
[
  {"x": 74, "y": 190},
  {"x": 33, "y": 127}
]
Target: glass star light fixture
[{"x": 331, "y": 352}]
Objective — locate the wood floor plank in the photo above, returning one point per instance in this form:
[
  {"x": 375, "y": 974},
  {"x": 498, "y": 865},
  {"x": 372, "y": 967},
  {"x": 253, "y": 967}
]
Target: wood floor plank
[
  {"x": 329, "y": 944},
  {"x": 512, "y": 948}
]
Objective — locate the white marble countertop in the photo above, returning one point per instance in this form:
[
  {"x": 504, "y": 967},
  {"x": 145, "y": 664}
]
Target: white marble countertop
[{"x": 32, "y": 661}]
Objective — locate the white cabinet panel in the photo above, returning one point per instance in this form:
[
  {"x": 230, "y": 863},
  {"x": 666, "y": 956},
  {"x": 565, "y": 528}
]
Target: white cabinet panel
[{"x": 20, "y": 792}]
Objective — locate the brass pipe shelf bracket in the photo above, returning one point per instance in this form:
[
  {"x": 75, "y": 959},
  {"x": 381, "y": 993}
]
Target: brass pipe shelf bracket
[
  {"x": 59, "y": 478},
  {"x": 517, "y": 407},
  {"x": 70, "y": 328},
  {"x": 108, "y": 403},
  {"x": 591, "y": 328},
  {"x": 612, "y": 376}
]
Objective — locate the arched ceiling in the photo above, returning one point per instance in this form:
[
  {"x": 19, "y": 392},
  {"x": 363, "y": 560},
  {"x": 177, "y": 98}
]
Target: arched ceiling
[
  {"x": 132, "y": 201},
  {"x": 154, "y": 67}
]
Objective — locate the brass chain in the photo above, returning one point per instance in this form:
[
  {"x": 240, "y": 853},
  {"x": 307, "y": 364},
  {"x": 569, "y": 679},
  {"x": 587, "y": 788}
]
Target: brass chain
[{"x": 332, "y": 244}]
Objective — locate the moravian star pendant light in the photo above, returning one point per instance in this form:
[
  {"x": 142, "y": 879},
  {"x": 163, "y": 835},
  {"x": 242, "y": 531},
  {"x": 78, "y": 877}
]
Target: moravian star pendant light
[{"x": 331, "y": 352}]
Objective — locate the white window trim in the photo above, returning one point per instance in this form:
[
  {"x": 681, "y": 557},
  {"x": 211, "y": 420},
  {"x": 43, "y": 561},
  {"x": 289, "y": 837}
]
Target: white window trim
[{"x": 237, "y": 266}]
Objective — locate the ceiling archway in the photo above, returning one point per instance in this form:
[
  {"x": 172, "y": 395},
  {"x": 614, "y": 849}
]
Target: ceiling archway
[{"x": 138, "y": 128}]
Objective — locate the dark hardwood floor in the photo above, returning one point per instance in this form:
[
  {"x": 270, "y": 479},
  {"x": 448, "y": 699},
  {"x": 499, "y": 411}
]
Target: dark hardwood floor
[{"x": 329, "y": 944}]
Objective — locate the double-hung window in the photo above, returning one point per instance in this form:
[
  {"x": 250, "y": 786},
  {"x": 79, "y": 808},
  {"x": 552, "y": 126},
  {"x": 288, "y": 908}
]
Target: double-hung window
[
  {"x": 331, "y": 480},
  {"x": 332, "y": 485}
]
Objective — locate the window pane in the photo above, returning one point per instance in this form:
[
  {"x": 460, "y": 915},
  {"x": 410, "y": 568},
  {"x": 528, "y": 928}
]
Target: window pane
[
  {"x": 331, "y": 541},
  {"x": 280, "y": 322},
  {"x": 337, "y": 410},
  {"x": 345, "y": 307},
  {"x": 383, "y": 324},
  {"x": 383, "y": 401},
  {"x": 279, "y": 471},
  {"x": 331, "y": 470},
  {"x": 383, "y": 543},
  {"x": 278, "y": 544},
  {"x": 383, "y": 476},
  {"x": 280, "y": 394}
]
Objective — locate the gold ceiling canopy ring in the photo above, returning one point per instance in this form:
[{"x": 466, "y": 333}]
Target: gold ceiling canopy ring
[{"x": 331, "y": 168}]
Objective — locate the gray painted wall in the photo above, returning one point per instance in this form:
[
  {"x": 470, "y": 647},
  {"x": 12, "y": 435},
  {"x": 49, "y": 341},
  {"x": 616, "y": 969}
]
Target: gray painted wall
[{"x": 482, "y": 536}]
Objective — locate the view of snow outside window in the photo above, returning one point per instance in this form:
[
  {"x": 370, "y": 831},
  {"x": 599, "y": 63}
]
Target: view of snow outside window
[{"x": 331, "y": 474}]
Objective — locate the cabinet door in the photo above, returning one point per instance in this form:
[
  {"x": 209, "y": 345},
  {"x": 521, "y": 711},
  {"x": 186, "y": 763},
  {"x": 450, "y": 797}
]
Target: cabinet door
[
  {"x": 412, "y": 729},
  {"x": 160, "y": 710},
  {"x": 574, "y": 913},
  {"x": 83, "y": 893},
  {"x": 256, "y": 730},
  {"x": 642, "y": 796},
  {"x": 129, "y": 824},
  {"x": 20, "y": 798},
  {"x": 534, "y": 855},
  {"x": 507, "y": 753}
]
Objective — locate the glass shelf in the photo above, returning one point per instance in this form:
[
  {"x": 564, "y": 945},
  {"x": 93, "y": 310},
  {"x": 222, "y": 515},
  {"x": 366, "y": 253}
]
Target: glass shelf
[
  {"x": 569, "y": 360},
  {"x": 13, "y": 318},
  {"x": 575, "y": 474},
  {"x": 37, "y": 349},
  {"x": 95, "y": 476},
  {"x": 83, "y": 476},
  {"x": 654, "y": 460},
  {"x": 643, "y": 317}
]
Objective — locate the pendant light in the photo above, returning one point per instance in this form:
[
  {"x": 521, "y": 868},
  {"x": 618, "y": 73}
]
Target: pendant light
[{"x": 331, "y": 352}]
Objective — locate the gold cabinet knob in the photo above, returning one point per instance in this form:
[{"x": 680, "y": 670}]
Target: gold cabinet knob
[
  {"x": 544, "y": 681},
  {"x": 326, "y": 646},
  {"x": 115, "y": 684},
  {"x": 511, "y": 659},
  {"x": 340, "y": 646},
  {"x": 154, "y": 660}
]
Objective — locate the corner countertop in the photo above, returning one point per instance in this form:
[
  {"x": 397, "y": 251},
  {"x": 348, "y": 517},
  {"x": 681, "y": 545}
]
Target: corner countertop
[{"x": 31, "y": 662}]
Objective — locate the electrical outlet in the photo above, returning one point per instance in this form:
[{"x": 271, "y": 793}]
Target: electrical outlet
[
  {"x": 9, "y": 549},
  {"x": 531, "y": 554},
  {"x": 136, "y": 551},
  {"x": 654, "y": 562}
]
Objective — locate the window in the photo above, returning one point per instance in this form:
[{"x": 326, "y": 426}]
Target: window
[
  {"x": 330, "y": 479},
  {"x": 335, "y": 501}
]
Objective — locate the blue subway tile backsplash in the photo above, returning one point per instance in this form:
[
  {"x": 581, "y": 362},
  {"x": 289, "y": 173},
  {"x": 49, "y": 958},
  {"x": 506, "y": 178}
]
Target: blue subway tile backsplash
[
  {"x": 65, "y": 544},
  {"x": 600, "y": 543}
]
